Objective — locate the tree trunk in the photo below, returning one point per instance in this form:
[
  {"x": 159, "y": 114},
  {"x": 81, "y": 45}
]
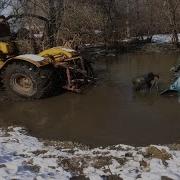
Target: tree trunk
[
  {"x": 175, "y": 39},
  {"x": 55, "y": 18},
  {"x": 51, "y": 27},
  {"x": 137, "y": 19},
  {"x": 127, "y": 20},
  {"x": 172, "y": 10}
]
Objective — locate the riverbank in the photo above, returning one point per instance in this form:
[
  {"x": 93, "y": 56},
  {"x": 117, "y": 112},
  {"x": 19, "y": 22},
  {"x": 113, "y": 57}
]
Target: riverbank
[
  {"x": 26, "y": 157},
  {"x": 166, "y": 48},
  {"x": 160, "y": 43}
]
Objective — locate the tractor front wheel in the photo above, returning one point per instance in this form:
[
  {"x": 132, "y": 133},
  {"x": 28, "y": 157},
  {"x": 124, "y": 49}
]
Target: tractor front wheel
[{"x": 25, "y": 81}]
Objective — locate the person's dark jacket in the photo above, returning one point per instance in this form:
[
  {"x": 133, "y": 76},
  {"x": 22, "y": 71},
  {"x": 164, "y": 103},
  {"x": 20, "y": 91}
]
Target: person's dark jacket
[{"x": 4, "y": 29}]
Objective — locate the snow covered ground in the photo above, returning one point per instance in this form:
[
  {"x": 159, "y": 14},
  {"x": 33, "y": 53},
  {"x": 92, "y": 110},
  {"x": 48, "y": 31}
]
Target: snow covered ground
[
  {"x": 163, "y": 38},
  {"x": 26, "y": 157}
]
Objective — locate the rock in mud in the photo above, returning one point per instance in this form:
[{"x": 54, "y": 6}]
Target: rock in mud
[
  {"x": 154, "y": 152},
  {"x": 143, "y": 163}
]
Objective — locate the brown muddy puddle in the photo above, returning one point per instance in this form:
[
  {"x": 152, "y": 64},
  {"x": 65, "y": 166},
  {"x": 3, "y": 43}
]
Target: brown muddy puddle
[{"x": 108, "y": 113}]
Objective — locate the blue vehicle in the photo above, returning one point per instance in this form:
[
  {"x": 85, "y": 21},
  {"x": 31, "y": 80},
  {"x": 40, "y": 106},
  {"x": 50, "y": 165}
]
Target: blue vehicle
[{"x": 175, "y": 85}]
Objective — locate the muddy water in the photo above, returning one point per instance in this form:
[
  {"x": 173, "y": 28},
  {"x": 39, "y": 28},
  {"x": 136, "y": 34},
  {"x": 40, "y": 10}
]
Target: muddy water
[{"x": 108, "y": 113}]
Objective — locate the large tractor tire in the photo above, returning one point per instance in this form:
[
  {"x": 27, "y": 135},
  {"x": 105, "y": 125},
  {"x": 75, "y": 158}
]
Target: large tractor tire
[{"x": 25, "y": 81}]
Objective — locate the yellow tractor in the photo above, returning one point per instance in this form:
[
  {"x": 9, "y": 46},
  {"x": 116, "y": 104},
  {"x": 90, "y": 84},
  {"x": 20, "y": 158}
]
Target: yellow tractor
[{"x": 31, "y": 76}]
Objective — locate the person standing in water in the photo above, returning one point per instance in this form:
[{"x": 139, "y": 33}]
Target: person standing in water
[
  {"x": 5, "y": 33},
  {"x": 145, "y": 82}
]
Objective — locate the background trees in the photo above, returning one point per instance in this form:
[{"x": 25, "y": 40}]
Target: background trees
[
  {"x": 171, "y": 8},
  {"x": 4, "y": 6},
  {"x": 74, "y": 22}
]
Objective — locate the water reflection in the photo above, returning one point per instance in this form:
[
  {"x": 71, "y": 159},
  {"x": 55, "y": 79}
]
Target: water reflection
[{"x": 110, "y": 112}]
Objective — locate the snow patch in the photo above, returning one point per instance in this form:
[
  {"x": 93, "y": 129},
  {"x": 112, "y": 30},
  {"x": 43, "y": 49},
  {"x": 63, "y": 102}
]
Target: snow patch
[
  {"x": 67, "y": 49},
  {"x": 25, "y": 157},
  {"x": 163, "y": 38},
  {"x": 31, "y": 57}
]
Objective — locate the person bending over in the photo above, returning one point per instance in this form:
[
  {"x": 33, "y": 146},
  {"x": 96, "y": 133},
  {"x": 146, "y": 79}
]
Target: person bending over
[{"x": 145, "y": 82}]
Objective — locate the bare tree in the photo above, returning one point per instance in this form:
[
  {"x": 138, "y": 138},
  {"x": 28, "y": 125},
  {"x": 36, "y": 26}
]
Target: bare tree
[
  {"x": 127, "y": 19},
  {"x": 171, "y": 13},
  {"x": 4, "y": 4},
  {"x": 50, "y": 15},
  {"x": 90, "y": 21}
]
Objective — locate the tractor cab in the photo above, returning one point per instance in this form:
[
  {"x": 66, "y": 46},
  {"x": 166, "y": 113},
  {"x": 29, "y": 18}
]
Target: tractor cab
[
  {"x": 6, "y": 46},
  {"x": 5, "y": 32}
]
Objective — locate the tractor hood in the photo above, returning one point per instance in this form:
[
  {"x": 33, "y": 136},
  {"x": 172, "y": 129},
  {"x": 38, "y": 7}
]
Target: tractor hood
[
  {"x": 59, "y": 51},
  {"x": 44, "y": 58}
]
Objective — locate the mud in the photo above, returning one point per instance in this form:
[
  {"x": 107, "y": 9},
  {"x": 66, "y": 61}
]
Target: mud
[{"x": 107, "y": 113}]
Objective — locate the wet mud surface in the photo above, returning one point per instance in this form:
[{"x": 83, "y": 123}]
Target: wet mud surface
[{"x": 107, "y": 113}]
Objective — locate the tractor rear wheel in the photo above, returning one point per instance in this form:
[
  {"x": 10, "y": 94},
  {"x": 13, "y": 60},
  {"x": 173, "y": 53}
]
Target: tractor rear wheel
[{"x": 25, "y": 81}]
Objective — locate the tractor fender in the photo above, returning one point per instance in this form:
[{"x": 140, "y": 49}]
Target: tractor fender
[{"x": 36, "y": 60}]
